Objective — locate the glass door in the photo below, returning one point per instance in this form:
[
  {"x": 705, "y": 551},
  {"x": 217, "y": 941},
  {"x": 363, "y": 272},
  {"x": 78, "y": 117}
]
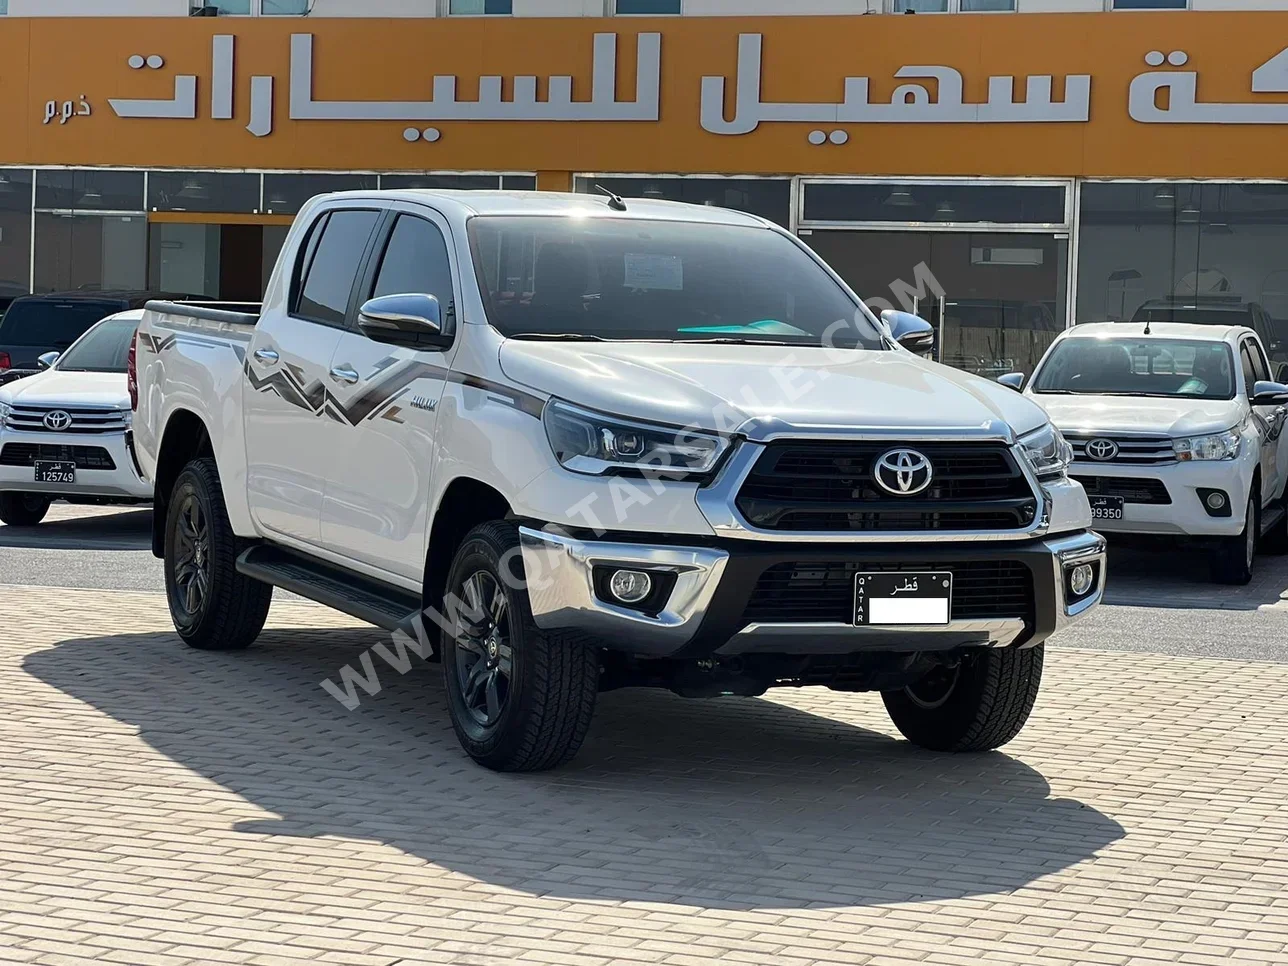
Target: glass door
[{"x": 996, "y": 300}]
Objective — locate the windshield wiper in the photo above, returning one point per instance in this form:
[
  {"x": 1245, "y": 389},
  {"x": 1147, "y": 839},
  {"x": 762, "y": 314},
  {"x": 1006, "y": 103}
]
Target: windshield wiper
[
  {"x": 558, "y": 337},
  {"x": 733, "y": 340}
]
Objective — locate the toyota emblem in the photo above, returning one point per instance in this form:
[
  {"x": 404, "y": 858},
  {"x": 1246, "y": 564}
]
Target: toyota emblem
[
  {"x": 58, "y": 420},
  {"x": 903, "y": 472},
  {"x": 1101, "y": 449}
]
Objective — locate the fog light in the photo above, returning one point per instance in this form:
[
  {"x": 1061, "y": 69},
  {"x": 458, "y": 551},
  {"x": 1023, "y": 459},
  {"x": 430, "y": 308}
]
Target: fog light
[
  {"x": 630, "y": 586},
  {"x": 1081, "y": 579},
  {"x": 1215, "y": 499}
]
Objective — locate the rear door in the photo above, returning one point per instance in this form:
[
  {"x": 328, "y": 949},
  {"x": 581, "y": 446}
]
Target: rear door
[
  {"x": 288, "y": 450},
  {"x": 376, "y": 506}
]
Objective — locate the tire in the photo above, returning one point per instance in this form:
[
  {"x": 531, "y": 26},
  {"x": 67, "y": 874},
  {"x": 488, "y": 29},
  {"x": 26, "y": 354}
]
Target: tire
[
  {"x": 979, "y": 706},
  {"x": 214, "y": 607},
  {"x": 521, "y": 698},
  {"x": 23, "y": 509},
  {"x": 1233, "y": 560}
]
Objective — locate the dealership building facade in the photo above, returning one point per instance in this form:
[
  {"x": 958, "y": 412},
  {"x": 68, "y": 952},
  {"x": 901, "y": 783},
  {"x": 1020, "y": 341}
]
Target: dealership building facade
[{"x": 1005, "y": 173}]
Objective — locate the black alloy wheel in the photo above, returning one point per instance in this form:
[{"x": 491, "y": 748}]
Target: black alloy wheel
[
  {"x": 192, "y": 557},
  {"x": 484, "y": 652}
]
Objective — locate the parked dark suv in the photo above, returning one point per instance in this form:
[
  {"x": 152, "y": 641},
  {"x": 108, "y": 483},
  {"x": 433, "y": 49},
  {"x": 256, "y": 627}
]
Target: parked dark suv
[
  {"x": 36, "y": 324},
  {"x": 1216, "y": 310}
]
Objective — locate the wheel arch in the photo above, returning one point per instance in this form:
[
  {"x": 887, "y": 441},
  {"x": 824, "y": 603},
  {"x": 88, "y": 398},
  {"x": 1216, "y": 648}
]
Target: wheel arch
[
  {"x": 186, "y": 437},
  {"x": 465, "y": 504}
]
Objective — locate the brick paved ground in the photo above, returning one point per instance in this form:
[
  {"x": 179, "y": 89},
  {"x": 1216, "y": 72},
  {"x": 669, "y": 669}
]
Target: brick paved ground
[{"x": 164, "y": 806}]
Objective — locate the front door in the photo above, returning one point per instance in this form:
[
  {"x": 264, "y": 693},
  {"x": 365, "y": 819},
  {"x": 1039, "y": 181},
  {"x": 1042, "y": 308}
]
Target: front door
[
  {"x": 376, "y": 505},
  {"x": 288, "y": 449},
  {"x": 996, "y": 300}
]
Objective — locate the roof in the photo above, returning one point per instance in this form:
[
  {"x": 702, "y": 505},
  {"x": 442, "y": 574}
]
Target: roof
[
  {"x": 466, "y": 203},
  {"x": 128, "y": 296},
  {"x": 1157, "y": 330}
]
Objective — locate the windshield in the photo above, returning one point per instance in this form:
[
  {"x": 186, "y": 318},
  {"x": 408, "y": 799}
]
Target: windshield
[
  {"x": 632, "y": 279},
  {"x": 105, "y": 349},
  {"x": 1145, "y": 367},
  {"x": 52, "y": 323}
]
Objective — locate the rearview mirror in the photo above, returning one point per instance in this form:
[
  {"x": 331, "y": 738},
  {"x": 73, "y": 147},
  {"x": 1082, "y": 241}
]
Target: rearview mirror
[
  {"x": 1269, "y": 393},
  {"x": 910, "y": 331},
  {"x": 410, "y": 321},
  {"x": 1012, "y": 380},
  {"x": 47, "y": 360},
  {"x": 1281, "y": 374}
]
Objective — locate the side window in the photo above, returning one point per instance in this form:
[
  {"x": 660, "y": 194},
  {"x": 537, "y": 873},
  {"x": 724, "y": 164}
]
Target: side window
[
  {"x": 1249, "y": 369},
  {"x": 330, "y": 273},
  {"x": 416, "y": 262},
  {"x": 1259, "y": 364}
]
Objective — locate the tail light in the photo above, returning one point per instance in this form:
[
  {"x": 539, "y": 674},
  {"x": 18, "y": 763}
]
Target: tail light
[
  {"x": 132, "y": 373},
  {"x": 5, "y": 362}
]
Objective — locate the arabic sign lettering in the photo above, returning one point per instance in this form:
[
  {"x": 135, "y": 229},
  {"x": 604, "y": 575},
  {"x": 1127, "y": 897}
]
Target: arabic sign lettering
[{"x": 1081, "y": 95}]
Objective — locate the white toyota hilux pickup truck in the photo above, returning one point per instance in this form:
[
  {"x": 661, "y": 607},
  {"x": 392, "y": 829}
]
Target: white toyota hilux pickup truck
[
  {"x": 574, "y": 443},
  {"x": 1177, "y": 431}
]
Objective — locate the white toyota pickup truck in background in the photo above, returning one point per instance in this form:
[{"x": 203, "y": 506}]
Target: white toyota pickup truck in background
[
  {"x": 1177, "y": 431},
  {"x": 604, "y": 444}
]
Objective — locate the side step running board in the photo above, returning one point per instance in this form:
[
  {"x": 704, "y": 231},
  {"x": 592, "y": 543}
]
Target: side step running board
[
  {"x": 368, "y": 600},
  {"x": 1270, "y": 517}
]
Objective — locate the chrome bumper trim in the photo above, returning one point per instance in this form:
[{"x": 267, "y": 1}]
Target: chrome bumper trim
[
  {"x": 1087, "y": 547},
  {"x": 850, "y": 638},
  {"x": 561, "y": 591}
]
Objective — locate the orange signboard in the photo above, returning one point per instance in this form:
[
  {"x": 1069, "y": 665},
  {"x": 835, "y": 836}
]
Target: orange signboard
[{"x": 1152, "y": 94}]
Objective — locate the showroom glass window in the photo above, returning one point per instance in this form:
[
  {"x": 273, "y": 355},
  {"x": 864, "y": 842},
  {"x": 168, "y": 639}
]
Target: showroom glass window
[
  {"x": 1193, "y": 252},
  {"x": 91, "y": 232},
  {"x": 15, "y": 233}
]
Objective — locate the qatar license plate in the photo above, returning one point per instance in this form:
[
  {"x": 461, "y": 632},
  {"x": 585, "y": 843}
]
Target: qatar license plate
[
  {"x": 902, "y": 598},
  {"x": 1106, "y": 507},
  {"x": 50, "y": 472}
]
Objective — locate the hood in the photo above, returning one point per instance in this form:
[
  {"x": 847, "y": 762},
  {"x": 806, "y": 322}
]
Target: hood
[
  {"x": 1141, "y": 414},
  {"x": 54, "y": 388},
  {"x": 721, "y": 387}
]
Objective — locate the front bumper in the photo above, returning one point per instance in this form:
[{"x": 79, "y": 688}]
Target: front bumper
[
  {"x": 122, "y": 482},
  {"x": 706, "y": 613},
  {"x": 1185, "y": 514}
]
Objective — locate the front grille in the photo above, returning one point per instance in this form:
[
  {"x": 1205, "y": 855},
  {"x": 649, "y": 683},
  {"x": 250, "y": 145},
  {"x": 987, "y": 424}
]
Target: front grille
[
  {"x": 828, "y": 485},
  {"x": 85, "y": 419},
  {"x": 85, "y": 457},
  {"x": 1132, "y": 450},
  {"x": 1132, "y": 490},
  {"x": 824, "y": 592}
]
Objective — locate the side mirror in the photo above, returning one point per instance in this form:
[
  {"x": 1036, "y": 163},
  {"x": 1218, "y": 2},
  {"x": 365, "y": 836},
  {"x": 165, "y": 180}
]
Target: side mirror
[
  {"x": 47, "y": 360},
  {"x": 410, "y": 321},
  {"x": 1269, "y": 393},
  {"x": 1012, "y": 380},
  {"x": 910, "y": 331}
]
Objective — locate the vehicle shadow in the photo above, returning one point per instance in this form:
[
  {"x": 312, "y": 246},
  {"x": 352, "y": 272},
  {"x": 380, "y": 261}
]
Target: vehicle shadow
[
  {"x": 1143, "y": 575},
  {"x": 732, "y": 803},
  {"x": 128, "y": 529}
]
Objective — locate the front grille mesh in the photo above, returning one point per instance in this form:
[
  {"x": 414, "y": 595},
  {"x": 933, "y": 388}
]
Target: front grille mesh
[
  {"x": 828, "y": 485},
  {"x": 1131, "y": 489},
  {"x": 824, "y": 592},
  {"x": 85, "y": 457}
]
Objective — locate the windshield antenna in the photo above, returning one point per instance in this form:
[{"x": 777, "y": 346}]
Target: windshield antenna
[{"x": 614, "y": 200}]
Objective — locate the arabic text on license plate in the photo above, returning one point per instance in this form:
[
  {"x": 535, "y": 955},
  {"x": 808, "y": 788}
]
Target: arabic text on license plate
[{"x": 902, "y": 598}]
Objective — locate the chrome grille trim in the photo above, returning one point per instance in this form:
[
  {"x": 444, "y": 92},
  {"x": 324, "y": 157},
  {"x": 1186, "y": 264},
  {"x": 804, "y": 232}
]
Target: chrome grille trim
[{"x": 85, "y": 419}]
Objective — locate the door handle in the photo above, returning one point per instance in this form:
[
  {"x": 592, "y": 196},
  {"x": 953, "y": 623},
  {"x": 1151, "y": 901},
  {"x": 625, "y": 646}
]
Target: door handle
[
  {"x": 345, "y": 374},
  {"x": 266, "y": 356}
]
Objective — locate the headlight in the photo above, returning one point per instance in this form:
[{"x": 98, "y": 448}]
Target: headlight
[
  {"x": 4, "y": 412},
  {"x": 1047, "y": 451},
  {"x": 589, "y": 442},
  {"x": 1218, "y": 446}
]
